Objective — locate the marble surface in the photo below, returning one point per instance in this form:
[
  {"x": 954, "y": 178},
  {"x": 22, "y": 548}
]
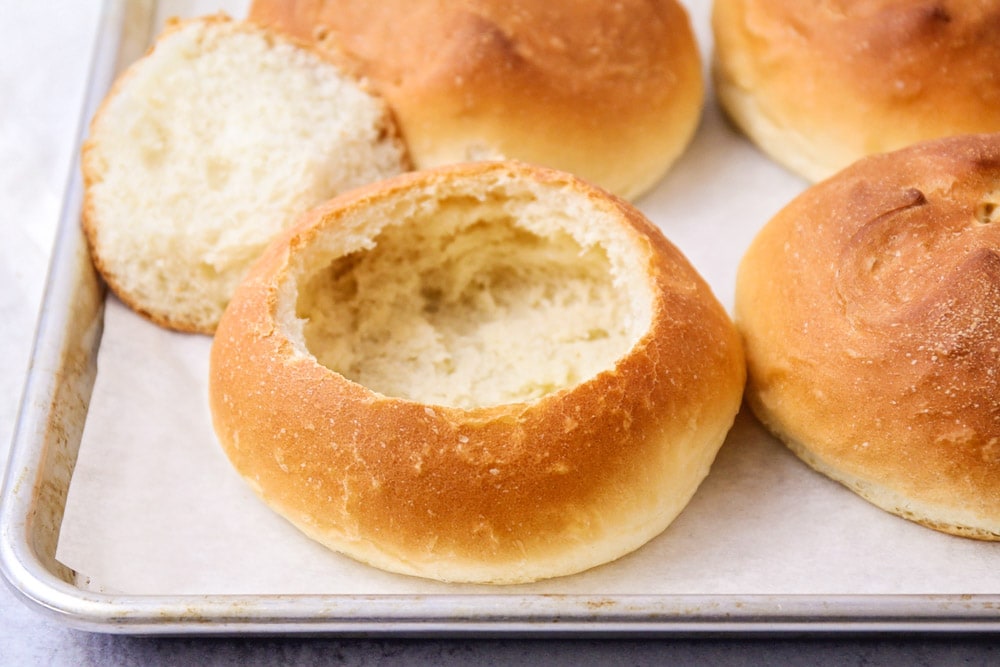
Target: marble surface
[{"x": 44, "y": 54}]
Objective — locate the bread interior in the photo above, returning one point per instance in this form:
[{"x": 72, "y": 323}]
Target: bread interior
[
  {"x": 212, "y": 145},
  {"x": 474, "y": 302}
]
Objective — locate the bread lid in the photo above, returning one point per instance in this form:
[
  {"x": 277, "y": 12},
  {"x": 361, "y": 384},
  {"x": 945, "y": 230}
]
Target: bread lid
[{"x": 206, "y": 147}]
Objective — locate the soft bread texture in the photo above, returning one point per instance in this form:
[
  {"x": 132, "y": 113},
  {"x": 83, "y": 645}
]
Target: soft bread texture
[
  {"x": 870, "y": 311},
  {"x": 488, "y": 372},
  {"x": 206, "y": 147},
  {"x": 818, "y": 85},
  {"x": 611, "y": 92}
]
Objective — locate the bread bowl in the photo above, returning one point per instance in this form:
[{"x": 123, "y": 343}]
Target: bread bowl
[
  {"x": 870, "y": 312},
  {"x": 611, "y": 92},
  {"x": 818, "y": 85},
  {"x": 205, "y": 147},
  {"x": 488, "y": 372}
]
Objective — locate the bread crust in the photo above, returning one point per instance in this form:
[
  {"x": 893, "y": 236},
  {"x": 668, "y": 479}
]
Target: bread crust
[
  {"x": 611, "y": 92},
  {"x": 818, "y": 85},
  {"x": 870, "y": 312},
  {"x": 495, "y": 494}
]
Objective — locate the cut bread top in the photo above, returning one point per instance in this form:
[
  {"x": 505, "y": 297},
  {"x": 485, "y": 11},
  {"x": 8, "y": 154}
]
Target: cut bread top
[{"x": 206, "y": 147}]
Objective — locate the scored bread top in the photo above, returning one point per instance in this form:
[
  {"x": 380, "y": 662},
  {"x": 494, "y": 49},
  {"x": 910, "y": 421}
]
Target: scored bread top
[
  {"x": 209, "y": 145},
  {"x": 819, "y": 85},
  {"x": 870, "y": 310}
]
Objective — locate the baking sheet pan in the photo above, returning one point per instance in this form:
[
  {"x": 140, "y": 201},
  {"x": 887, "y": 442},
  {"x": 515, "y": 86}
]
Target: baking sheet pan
[{"x": 831, "y": 588}]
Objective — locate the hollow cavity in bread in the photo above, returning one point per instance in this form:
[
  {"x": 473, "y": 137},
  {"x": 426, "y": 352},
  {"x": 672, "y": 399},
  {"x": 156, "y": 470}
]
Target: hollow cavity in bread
[{"x": 467, "y": 305}]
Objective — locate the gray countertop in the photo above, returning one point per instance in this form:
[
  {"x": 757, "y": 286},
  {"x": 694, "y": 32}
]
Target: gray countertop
[{"x": 44, "y": 56}]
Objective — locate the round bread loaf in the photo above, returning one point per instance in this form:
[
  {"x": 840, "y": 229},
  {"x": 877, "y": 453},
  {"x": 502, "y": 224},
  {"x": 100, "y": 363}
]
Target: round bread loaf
[
  {"x": 870, "y": 311},
  {"x": 611, "y": 92},
  {"x": 207, "y": 146},
  {"x": 488, "y": 372},
  {"x": 818, "y": 85}
]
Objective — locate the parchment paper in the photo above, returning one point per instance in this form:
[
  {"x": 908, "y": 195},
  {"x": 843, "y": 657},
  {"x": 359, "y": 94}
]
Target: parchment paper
[{"x": 154, "y": 507}]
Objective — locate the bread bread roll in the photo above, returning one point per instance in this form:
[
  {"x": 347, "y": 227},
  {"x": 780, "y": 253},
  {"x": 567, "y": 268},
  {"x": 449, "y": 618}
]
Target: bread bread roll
[
  {"x": 818, "y": 85},
  {"x": 611, "y": 92},
  {"x": 209, "y": 145},
  {"x": 870, "y": 310},
  {"x": 488, "y": 373}
]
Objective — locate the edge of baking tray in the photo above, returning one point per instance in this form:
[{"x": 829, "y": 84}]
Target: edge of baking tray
[{"x": 45, "y": 443}]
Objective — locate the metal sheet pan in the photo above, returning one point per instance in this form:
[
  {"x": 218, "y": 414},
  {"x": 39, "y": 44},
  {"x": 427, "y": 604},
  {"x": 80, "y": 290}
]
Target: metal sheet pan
[{"x": 47, "y": 439}]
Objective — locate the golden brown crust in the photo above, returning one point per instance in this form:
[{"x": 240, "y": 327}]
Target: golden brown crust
[
  {"x": 609, "y": 91},
  {"x": 498, "y": 494},
  {"x": 821, "y": 84},
  {"x": 870, "y": 310}
]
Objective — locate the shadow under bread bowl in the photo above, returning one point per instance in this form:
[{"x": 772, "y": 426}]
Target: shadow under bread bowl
[
  {"x": 818, "y": 85},
  {"x": 870, "y": 313},
  {"x": 489, "y": 372},
  {"x": 609, "y": 91}
]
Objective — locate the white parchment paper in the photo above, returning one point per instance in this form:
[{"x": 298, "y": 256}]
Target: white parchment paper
[{"x": 154, "y": 507}]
